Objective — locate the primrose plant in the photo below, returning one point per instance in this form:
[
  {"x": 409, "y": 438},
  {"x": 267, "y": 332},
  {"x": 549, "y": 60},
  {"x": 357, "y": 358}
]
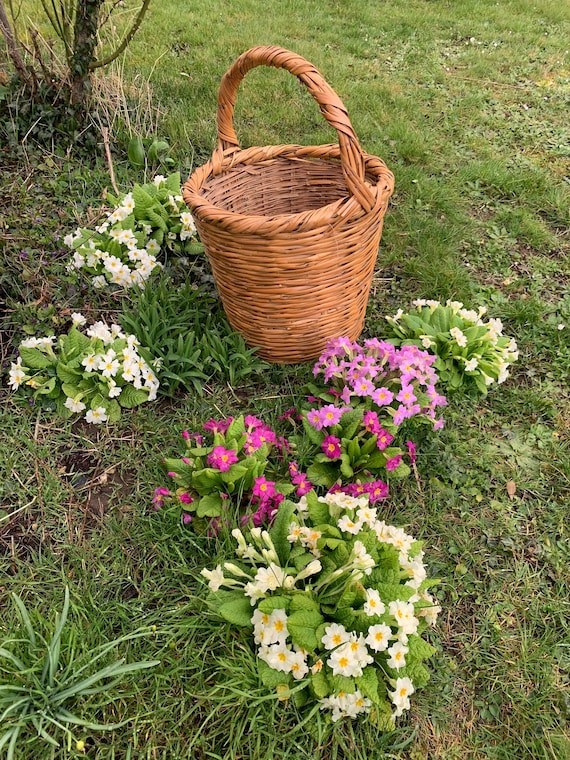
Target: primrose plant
[
  {"x": 336, "y": 603},
  {"x": 362, "y": 413},
  {"x": 228, "y": 472},
  {"x": 94, "y": 374},
  {"x": 471, "y": 354},
  {"x": 124, "y": 249}
]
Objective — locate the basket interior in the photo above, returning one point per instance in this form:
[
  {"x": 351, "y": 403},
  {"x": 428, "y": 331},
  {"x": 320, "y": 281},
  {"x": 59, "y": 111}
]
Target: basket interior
[{"x": 277, "y": 187}]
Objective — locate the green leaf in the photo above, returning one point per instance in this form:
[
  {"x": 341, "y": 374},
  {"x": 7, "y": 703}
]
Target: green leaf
[
  {"x": 274, "y": 603},
  {"x": 419, "y": 648},
  {"x": 313, "y": 435},
  {"x": 235, "y": 473},
  {"x": 33, "y": 358},
  {"x": 321, "y": 474},
  {"x": 135, "y": 152},
  {"x": 67, "y": 374},
  {"x": 236, "y": 428},
  {"x": 302, "y": 626},
  {"x": 210, "y": 506},
  {"x": 280, "y": 530},
  {"x": 351, "y": 421},
  {"x": 74, "y": 344},
  {"x": 238, "y": 612},
  {"x": 345, "y": 467},
  {"x": 320, "y": 685},
  {"x": 270, "y": 677},
  {"x": 368, "y": 684},
  {"x": 131, "y": 397}
]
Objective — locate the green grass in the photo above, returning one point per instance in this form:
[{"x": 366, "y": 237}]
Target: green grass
[{"x": 466, "y": 102}]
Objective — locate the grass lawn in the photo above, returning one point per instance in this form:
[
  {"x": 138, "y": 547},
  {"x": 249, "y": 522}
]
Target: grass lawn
[{"x": 467, "y": 102}]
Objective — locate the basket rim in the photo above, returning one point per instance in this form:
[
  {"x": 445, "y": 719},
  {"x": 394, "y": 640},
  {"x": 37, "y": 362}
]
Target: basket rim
[{"x": 346, "y": 208}]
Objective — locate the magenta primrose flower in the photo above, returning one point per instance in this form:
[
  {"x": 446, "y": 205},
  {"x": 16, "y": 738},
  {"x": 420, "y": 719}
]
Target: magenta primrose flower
[
  {"x": 218, "y": 426},
  {"x": 185, "y": 498},
  {"x": 391, "y": 464},
  {"x": 371, "y": 422},
  {"x": 331, "y": 447},
  {"x": 263, "y": 489},
  {"x": 384, "y": 439},
  {"x": 221, "y": 458},
  {"x": 303, "y": 484}
]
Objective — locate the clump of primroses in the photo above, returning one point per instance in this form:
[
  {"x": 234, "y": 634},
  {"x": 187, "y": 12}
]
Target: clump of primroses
[
  {"x": 362, "y": 412},
  {"x": 228, "y": 473}
]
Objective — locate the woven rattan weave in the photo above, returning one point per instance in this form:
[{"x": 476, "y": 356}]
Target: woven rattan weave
[{"x": 292, "y": 232}]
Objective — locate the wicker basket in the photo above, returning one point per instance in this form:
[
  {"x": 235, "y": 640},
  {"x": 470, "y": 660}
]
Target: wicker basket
[{"x": 291, "y": 232}]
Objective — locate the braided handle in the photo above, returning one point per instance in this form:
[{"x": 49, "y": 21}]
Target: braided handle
[{"x": 332, "y": 108}]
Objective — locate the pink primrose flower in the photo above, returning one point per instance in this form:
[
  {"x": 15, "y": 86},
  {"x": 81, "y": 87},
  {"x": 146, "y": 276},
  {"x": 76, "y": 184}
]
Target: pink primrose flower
[
  {"x": 382, "y": 396},
  {"x": 384, "y": 439},
  {"x": 411, "y": 450},
  {"x": 252, "y": 422},
  {"x": 363, "y": 387},
  {"x": 172, "y": 474},
  {"x": 185, "y": 498},
  {"x": 371, "y": 422},
  {"x": 218, "y": 426},
  {"x": 406, "y": 395},
  {"x": 314, "y": 418},
  {"x": 346, "y": 394},
  {"x": 186, "y": 460},
  {"x": 263, "y": 489},
  {"x": 293, "y": 469},
  {"x": 331, "y": 447},
  {"x": 186, "y": 518},
  {"x": 158, "y": 498},
  {"x": 186, "y": 435},
  {"x": 330, "y": 415},
  {"x": 302, "y": 483},
  {"x": 221, "y": 458},
  {"x": 376, "y": 490},
  {"x": 438, "y": 424},
  {"x": 400, "y": 415},
  {"x": 391, "y": 464},
  {"x": 288, "y": 414}
]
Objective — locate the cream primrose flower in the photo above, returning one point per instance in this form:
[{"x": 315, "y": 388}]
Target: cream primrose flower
[
  {"x": 345, "y": 661},
  {"x": 215, "y": 577},
  {"x": 455, "y": 306},
  {"x": 347, "y": 525},
  {"x": 346, "y": 705},
  {"x": 403, "y": 613},
  {"x": 114, "y": 390},
  {"x": 335, "y": 635},
  {"x": 458, "y": 336},
  {"x": 361, "y": 560},
  {"x": 74, "y": 405},
  {"x": 158, "y": 180},
  {"x": 96, "y": 416},
  {"x": 427, "y": 342},
  {"x": 401, "y": 695},
  {"x": 78, "y": 319},
  {"x": 16, "y": 375},
  {"x": 101, "y": 331},
  {"x": 373, "y": 605},
  {"x": 91, "y": 362},
  {"x": 397, "y": 654},
  {"x": 379, "y": 637},
  {"x": 471, "y": 365},
  {"x": 416, "y": 569},
  {"x": 419, "y": 303},
  {"x": 270, "y": 578},
  {"x": 99, "y": 281}
]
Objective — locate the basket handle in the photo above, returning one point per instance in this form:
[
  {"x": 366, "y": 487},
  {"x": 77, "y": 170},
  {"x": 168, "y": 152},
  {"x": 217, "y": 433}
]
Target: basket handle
[{"x": 332, "y": 108}]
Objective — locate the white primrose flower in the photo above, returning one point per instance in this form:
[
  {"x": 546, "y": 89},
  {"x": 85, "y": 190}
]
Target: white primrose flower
[
  {"x": 16, "y": 375},
  {"x": 418, "y": 303},
  {"x": 96, "y": 416},
  {"x": 347, "y": 525},
  {"x": 74, "y": 405},
  {"x": 404, "y": 614},
  {"x": 78, "y": 319},
  {"x": 215, "y": 577},
  {"x": 458, "y": 336},
  {"x": 270, "y": 578},
  {"x": 99, "y": 281},
  {"x": 158, "y": 180},
  {"x": 101, "y": 331},
  {"x": 91, "y": 362},
  {"x": 361, "y": 559},
  {"x": 401, "y": 695},
  {"x": 455, "y": 306},
  {"x": 471, "y": 365},
  {"x": 397, "y": 654},
  {"x": 335, "y": 635},
  {"x": 78, "y": 260},
  {"x": 379, "y": 637},
  {"x": 427, "y": 342},
  {"x": 373, "y": 605}
]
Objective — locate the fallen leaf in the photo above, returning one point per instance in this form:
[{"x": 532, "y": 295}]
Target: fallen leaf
[{"x": 511, "y": 488}]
